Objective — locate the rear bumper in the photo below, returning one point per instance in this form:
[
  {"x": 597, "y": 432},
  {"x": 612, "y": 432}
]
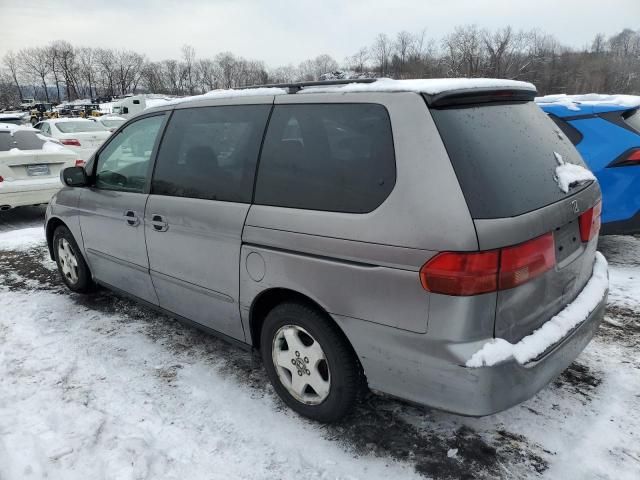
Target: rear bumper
[
  {"x": 622, "y": 227},
  {"x": 22, "y": 194},
  {"x": 432, "y": 372},
  {"x": 497, "y": 388}
]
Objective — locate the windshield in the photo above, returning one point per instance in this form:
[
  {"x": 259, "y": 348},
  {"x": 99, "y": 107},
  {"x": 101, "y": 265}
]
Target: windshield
[
  {"x": 504, "y": 156},
  {"x": 79, "y": 127}
]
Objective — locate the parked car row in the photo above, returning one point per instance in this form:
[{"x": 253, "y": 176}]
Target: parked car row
[
  {"x": 434, "y": 240},
  {"x": 80, "y": 135}
]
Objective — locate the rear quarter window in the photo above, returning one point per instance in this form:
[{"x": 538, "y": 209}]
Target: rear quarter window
[{"x": 331, "y": 157}]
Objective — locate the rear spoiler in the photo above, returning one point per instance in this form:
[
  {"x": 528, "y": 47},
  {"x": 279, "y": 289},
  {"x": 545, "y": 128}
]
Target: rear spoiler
[{"x": 452, "y": 98}]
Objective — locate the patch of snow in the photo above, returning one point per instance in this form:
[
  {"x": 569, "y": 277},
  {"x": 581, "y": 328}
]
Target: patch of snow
[
  {"x": 452, "y": 453},
  {"x": 630, "y": 101},
  {"x": 23, "y": 239},
  {"x": 87, "y": 395},
  {"x": 568, "y": 174},
  {"x": 562, "y": 100},
  {"x": 554, "y": 330},
  {"x": 431, "y": 86}
]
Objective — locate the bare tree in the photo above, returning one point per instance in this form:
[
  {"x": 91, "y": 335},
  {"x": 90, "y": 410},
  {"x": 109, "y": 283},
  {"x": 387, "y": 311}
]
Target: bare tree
[
  {"x": 35, "y": 61},
  {"x": 381, "y": 51},
  {"x": 189, "y": 59},
  {"x": 11, "y": 61}
]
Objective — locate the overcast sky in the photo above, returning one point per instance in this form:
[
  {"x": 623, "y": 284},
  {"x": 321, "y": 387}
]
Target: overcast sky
[{"x": 288, "y": 31}]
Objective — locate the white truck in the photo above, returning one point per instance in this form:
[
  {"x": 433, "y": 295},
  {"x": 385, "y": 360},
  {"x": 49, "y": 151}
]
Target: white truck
[{"x": 129, "y": 106}]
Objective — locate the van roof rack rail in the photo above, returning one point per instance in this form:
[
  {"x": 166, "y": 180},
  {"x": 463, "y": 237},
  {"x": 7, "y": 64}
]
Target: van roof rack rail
[{"x": 297, "y": 86}]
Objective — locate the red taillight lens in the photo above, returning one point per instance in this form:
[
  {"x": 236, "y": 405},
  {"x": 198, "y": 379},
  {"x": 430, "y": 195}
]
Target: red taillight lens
[
  {"x": 80, "y": 163},
  {"x": 1, "y": 179},
  {"x": 70, "y": 141},
  {"x": 630, "y": 158},
  {"x": 472, "y": 273},
  {"x": 459, "y": 273},
  {"x": 634, "y": 156},
  {"x": 590, "y": 222},
  {"x": 521, "y": 263}
]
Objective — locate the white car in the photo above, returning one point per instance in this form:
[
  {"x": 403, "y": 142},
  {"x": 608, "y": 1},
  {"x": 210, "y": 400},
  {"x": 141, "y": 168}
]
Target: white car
[
  {"x": 16, "y": 118},
  {"x": 110, "y": 122},
  {"x": 79, "y": 134},
  {"x": 30, "y": 166}
]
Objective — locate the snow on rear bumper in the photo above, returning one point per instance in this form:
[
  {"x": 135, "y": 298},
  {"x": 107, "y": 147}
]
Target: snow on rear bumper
[{"x": 554, "y": 330}]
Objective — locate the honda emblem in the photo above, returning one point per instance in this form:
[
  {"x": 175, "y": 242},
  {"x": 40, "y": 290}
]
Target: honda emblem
[{"x": 574, "y": 206}]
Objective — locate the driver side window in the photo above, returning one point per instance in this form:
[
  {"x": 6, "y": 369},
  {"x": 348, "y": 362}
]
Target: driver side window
[{"x": 124, "y": 163}]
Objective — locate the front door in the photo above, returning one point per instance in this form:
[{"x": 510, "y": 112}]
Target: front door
[
  {"x": 201, "y": 193},
  {"x": 112, "y": 209}
]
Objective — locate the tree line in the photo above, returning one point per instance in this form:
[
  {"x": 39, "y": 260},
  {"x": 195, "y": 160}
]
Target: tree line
[{"x": 61, "y": 71}]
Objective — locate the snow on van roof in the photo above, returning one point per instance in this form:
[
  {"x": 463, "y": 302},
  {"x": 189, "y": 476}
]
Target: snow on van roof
[
  {"x": 573, "y": 102},
  {"x": 230, "y": 93},
  {"x": 430, "y": 86}
]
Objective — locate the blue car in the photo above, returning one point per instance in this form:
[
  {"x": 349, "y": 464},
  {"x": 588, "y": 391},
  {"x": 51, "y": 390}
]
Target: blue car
[{"x": 606, "y": 131}]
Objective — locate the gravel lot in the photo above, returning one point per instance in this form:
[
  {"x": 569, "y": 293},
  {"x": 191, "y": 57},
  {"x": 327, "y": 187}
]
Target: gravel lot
[{"x": 99, "y": 387}]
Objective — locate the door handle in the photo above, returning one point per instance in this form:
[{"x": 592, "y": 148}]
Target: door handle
[
  {"x": 159, "y": 223},
  {"x": 131, "y": 218}
]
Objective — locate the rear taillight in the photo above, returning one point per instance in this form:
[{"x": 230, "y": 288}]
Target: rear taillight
[
  {"x": 80, "y": 163},
  {"x": 521, "y": 263},
  {"x": 473, "y": 273},
  {"x": 1, "y": 179},
  {"x": 460, "y": 273},
  {"x": 630, "y": 158},
  {"x": 590, "y": 222},
  {"x": 70, "y": 141}
]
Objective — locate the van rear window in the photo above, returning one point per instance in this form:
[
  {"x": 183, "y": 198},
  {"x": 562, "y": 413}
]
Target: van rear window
[{"x": 503, "y": 156}]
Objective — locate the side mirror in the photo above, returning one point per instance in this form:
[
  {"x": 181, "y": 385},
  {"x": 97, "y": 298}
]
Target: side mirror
[
  {"x": 125, "y": 110},
  {"x": 74, "y": 177}
]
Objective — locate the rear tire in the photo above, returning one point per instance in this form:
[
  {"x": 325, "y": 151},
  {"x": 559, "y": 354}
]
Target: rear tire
[
  {"x": 309, "y": 362},
  {"x": 73, "y": 269}
]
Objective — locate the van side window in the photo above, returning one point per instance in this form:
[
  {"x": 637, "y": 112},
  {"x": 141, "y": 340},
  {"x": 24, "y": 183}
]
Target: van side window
[
  {"x": 332, "y": 157},
  {"x": 211, "y": 153},
  {"x": 124, "y": 163}
]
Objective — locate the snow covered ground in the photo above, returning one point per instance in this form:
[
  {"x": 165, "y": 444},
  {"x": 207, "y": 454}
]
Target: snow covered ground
[{"x": 96, "y": 387}]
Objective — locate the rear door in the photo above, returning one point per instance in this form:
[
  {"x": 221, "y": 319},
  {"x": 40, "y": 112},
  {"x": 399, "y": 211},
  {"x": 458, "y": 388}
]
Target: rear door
[
  {"x": 505, "y": 156},
  {"x": 201, "y": 193},
  {"x": 112, "y": 218}
]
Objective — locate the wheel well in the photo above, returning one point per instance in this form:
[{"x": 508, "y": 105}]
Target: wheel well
[
  {"x": 268, "y": 299},
  {"x": 51, "y": 227}
]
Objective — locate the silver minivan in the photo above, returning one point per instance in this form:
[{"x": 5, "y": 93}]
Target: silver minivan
[{"x": 409, "y": 237}]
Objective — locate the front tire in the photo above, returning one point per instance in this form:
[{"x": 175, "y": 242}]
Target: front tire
[
  {"x": 309, "y": 362},
  {"x": 71, "y": 265}
]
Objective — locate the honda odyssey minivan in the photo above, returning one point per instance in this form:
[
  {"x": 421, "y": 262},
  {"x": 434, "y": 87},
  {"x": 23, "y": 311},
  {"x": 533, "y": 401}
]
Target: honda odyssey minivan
[{"x": 418, "y": 237}]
